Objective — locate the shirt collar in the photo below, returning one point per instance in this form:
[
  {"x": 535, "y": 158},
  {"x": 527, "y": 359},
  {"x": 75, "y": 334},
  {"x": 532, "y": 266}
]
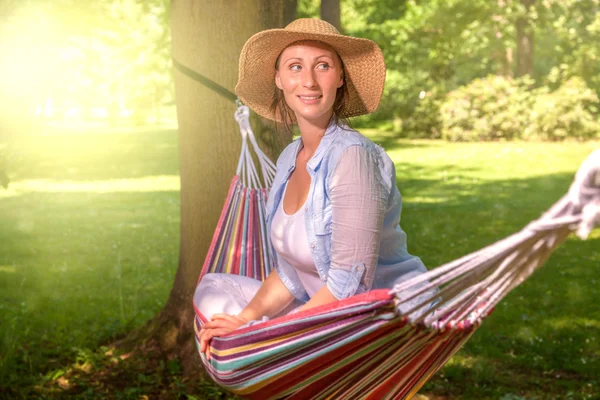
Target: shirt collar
[{"x": 328, "y": 138}]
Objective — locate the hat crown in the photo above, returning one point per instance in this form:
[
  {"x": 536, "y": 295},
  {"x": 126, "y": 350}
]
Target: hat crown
[{"x": 312, "y": 25}]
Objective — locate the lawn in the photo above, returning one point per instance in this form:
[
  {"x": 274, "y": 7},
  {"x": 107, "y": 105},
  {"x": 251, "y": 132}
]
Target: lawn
[{"x": 89, "y": 241}]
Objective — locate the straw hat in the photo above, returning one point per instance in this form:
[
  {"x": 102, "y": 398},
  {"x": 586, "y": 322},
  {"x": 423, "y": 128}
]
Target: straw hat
[{"x": 364, "y": 66}]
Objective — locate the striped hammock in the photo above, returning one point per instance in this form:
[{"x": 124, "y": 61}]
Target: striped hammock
[{"x": 369, "y": 346}]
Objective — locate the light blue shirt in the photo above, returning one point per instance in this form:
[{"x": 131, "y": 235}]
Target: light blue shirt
[{"x": 345, "y": 275}]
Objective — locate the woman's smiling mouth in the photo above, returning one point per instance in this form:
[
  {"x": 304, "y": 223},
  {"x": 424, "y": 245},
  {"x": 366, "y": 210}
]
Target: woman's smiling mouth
[{"x": 309, "y": 99}]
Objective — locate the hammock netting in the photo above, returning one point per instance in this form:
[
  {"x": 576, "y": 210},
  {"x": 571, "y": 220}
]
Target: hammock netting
[{"x": 371, "y": 345}]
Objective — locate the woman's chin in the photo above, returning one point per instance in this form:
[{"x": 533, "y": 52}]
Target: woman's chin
[{"x": 312, "y": 114}]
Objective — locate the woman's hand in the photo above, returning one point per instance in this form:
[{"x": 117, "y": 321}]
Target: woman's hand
[
  {"x": 272, "y": 297},
  {"x": 221, "y": 324}
]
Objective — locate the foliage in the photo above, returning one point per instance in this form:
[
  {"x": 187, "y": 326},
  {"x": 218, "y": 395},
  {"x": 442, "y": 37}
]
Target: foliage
[
  {"x": 569, "y": 111},
  {"x": 308, "y": 9},
  {"x": 67, "y": 58},
  {"x": 502, "y": 108},
  {"x": 424, "y": 48},
  {"x": 425, "y": 121},
  {"x": 568, "y": 45},
  {"x": 487, "y": 109}
]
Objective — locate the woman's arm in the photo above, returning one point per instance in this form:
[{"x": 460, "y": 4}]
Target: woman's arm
[
  {"x": 272, "y": 297},
  {"x": 358, "y": 202},
  {"x": 359, "y": 198},
  {"x": 323, "y": 296}
]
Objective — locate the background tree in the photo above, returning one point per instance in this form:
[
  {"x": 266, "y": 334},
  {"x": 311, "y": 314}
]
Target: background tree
[
  {"x": 525, "y": 36},
  {"x": 289, "y": 10},
  {"x": 209, "y": 144},
  {"x": 330, "y": 12}
]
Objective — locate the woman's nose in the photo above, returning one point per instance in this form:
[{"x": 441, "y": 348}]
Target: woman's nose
[{"x": 308, "y": 79}]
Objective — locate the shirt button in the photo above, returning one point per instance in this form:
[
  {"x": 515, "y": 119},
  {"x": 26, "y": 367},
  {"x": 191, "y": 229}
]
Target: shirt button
[
  {"x": 360, "y": 268},
  {"x": 312, "y": 245}
]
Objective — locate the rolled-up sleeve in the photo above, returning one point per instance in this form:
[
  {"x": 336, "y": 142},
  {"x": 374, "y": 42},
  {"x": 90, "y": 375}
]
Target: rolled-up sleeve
[{"x": 359, "y": 201}]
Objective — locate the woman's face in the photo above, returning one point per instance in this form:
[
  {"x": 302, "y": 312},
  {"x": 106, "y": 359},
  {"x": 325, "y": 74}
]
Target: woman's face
[{"x": 309, "y": 75}]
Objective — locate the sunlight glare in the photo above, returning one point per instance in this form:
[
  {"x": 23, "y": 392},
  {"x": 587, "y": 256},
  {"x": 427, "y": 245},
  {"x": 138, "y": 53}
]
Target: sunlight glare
[{"x": 158, "y": 183}]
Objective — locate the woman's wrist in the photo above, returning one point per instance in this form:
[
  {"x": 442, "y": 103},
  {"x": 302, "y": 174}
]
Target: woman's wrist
[{"x": 246, "y": 315}]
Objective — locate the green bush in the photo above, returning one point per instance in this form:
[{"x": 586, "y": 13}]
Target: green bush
[
  {"x": 425, "y": 121},
  {"x": 490, "y": 108},
  {"x": 400, "y": 96},
  {"x": 569, "y": 111}
]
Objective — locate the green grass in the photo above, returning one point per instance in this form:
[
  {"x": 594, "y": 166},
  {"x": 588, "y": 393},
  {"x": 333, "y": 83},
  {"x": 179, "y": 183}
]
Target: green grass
[
  {"x": 89, "y": 233},
  {"x": 89, "y": 238},
  {"x": 543, "y": 340}
]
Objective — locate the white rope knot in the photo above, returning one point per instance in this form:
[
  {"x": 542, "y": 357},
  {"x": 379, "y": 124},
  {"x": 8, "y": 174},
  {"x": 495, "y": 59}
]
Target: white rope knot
[
  {"x": 242, "y": 113},
  {"x": 246, "y": 169}
]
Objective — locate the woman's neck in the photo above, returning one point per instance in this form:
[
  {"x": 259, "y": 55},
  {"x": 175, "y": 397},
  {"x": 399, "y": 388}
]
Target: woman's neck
[{"x": 311, "y": 133}]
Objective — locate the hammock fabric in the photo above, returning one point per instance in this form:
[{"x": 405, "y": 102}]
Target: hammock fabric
[{"x": 369, "y": 346}]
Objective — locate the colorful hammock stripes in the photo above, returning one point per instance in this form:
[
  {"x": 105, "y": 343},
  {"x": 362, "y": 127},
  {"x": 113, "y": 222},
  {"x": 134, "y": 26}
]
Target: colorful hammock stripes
[
  {"x": 359, "y": 347},
  {"x": 240, "y": 243},
  {"x": 384, "y": 344}
]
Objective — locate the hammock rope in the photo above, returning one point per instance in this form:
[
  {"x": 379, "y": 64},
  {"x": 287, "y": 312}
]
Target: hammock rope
[
  {"x": 209, "y": 83},
  {"x": 246, "y": 164},
  {"x": 370, "y": 345},
  {"x": 481, "y": 279}
]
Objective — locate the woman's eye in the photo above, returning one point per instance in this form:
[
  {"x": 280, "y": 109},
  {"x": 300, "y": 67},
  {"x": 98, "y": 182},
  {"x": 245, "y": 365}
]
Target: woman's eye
[{"x": 324, "y": 66}]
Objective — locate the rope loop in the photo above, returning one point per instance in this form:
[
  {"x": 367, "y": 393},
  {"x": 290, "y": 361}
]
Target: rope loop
[{"x": 584, "y": 194}]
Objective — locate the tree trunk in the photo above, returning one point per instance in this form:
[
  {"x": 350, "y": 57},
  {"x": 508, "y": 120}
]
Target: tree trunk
[
  {"x": 525, "y": 42},
  {"x": 330, "y": 12},
  {"x": 290, "y": 8},
  {"x": 504, "y": 61},
  {"x": 207, "y": 37}
]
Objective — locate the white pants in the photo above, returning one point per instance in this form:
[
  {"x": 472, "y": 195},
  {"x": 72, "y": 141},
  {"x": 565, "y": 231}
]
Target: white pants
[{"x": 229, "y": 294}]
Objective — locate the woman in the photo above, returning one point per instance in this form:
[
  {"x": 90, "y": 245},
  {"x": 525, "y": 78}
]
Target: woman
[{"x": 333, "y": 211}]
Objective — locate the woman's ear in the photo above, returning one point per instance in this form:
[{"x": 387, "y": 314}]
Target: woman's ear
[{"x": 278, "y": 80}]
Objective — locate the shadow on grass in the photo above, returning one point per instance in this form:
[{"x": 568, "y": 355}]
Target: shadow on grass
[
  {"x": 77, "y": 270},
  {"x": 88, "y": 263},
  {"x": 465, "y": 216},
  {"x": 525, "y": 354},
  {"x": 94, "y": 156},
  {"x": 543, "y": 339}
]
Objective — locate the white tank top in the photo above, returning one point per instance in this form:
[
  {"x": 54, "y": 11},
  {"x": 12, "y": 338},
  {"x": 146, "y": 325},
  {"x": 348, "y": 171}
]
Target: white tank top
[{"x": 288, "y": 237}]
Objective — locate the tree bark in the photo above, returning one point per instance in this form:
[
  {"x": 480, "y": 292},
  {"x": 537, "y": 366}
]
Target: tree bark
[
  {"x": 207, "y": 37},
  {"x": 330, "y": 12},
  {"x": 290, "y": 8},
  {"x": 504, "y": 61},
  {"x": 525, "y": 37}
]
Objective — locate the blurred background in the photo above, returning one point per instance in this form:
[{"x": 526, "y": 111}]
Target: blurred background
[{"x": 489, "y": 107}]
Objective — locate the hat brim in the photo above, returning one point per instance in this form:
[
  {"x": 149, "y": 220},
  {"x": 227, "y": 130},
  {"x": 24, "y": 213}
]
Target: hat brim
[{"x": 363, "y": 60}]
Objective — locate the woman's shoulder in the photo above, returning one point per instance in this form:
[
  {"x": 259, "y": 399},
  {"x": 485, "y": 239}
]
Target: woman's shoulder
[
  {"x": 357, "y": 146},
  {"x": 352, "y": 137},
  {"x": 288, "y": 151}
]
